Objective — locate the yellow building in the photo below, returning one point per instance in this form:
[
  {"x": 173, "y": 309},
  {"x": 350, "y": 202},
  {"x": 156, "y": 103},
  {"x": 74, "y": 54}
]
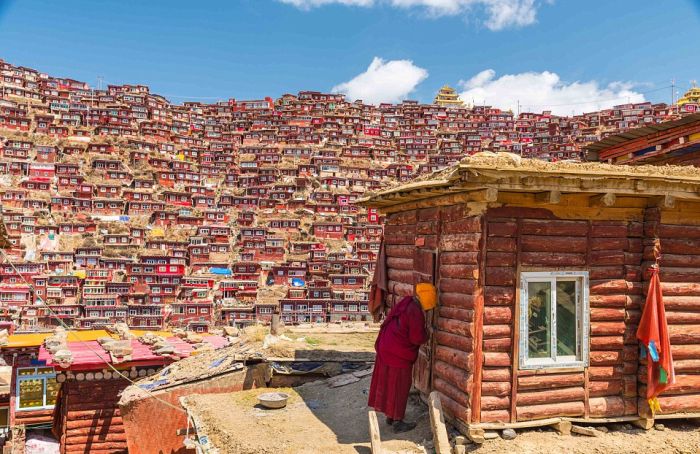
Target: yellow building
[
  {"x": 447, "y": 97},
  {"x": 692, "y": 96}
]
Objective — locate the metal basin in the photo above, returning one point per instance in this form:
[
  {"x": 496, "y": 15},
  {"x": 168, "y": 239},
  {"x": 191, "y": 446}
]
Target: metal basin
[{"x": 273, "y": 400}]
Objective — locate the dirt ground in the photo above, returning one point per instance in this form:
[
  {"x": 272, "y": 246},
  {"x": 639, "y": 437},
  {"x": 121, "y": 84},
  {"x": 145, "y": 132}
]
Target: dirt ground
[
  {"x": 677, "y": 437},
  {"x": 317, "y": 420}
]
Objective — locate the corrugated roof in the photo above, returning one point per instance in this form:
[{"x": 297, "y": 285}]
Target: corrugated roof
[
  {"x": 637, "y": 133},
  {"x": 36, "y": 339},
  {"x": 87, "y": 354}
]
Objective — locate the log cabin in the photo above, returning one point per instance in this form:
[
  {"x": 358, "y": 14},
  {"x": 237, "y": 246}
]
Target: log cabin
[{"x": 542, "y": 271}]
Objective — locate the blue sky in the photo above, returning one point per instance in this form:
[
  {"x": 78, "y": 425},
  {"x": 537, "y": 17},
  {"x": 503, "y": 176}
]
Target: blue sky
[{"x": 255, "y": 48}]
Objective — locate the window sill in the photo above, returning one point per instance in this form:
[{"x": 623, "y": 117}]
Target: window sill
[
  {"x": 546, "y": 370},
  {"x": 48, "y": 407}
]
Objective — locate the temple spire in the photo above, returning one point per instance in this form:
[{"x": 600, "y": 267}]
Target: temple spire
[{"x": 447, "y": 97}]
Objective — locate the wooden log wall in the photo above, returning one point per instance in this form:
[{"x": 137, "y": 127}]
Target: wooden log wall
[
  {"x": 399, "y": 239},
  {"x": 523, "y": 239},
  {"x": 90, "y": 419},
  {"x": 457, "y": 348},
  {"x": 413, "y": 239},
  {"x": 680, "y": 282},
  {"x": 475, "y": 261},
  {"x": 33, "y": 417}
]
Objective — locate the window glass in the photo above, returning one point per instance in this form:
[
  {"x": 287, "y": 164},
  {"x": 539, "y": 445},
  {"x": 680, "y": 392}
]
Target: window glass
[
  {"x": 566, "y": 318},
  {"x": 554, "y": 319},
  {"x": 539, "y": 324},
  {"x": 31, "y": 393},
  {"x": 52, "y": 387}
]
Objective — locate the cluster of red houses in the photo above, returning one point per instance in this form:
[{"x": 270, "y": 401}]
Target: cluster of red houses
[{"x": 121, "y": 206}]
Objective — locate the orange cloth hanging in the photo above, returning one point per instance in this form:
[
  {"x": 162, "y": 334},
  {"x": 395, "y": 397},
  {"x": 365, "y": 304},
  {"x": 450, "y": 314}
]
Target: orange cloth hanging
[{"x": 656, "y": 343}]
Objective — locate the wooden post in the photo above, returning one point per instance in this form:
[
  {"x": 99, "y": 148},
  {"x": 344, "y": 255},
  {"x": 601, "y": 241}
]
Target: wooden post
[
  {"x": 437, "y": 424},
  {"x": 476, "y": 435},
  {"x": 374, "y": 438},
  {"x": 563, "y": 427},
  {"x": 475, "y": 398},
  {"x": 644, "y": 423}
]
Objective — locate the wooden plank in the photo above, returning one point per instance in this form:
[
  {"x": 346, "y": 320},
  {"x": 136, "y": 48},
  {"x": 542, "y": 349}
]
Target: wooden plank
[
  {"x": 437, "y": 423},
  {"x": 693, "y": 416},
  {"x": 603, "y": 420},
  {"x": 517, "y": 425},
  {"x": 375, "y": 439}
]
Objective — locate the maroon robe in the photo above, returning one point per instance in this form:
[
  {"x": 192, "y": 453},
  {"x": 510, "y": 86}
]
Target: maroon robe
[{"x": 400, "y": 336}]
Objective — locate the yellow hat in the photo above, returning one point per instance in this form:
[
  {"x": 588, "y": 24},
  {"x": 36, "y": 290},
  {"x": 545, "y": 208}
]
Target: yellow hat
[{"x": 427, "y": 295}]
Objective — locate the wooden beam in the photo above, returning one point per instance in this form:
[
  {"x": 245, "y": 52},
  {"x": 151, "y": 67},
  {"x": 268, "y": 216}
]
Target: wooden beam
[
  {"x": 484, "y": 195},
  {"x": 664, "y": 201},
  {"x": 437, "y": 423},
  {"x": 375, "y": 439},
  {"x": 548, "y": 197},
  {"x": 602, "y": 200}
]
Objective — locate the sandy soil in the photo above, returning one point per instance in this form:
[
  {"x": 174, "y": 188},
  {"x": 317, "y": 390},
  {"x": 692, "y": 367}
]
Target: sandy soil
[
  {"x": 325, "y": 342},
  {"x": 678, "y": 437},
  {"x": 317, "y": 420}
]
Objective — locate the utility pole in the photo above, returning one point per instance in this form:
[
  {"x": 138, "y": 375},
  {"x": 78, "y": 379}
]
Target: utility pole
[{"x": 673, "y": 92}]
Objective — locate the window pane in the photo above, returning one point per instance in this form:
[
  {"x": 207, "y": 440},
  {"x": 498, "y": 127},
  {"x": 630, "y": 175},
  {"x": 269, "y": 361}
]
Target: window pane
[
  {"x": 28, "y": 371},
  {"x": 45, "y": 371},
  {"x": 52, "y": 387},
  {"x": 31, "y": 393},
  {"x": 566, "y": 318},
  {"x": 539, "y": 324}
]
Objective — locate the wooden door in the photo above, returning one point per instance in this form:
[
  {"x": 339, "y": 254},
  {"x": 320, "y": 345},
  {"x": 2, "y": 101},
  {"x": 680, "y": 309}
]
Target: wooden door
[{"x": 426, "y": 261}]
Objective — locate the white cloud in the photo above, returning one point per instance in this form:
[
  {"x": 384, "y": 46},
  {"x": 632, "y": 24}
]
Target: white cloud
[
  {"x": 308, "y": 4},
  {"x": 384, "y": 81},
  {"x": 545, "y": 91},
  {"x": 499, "y": 14}
]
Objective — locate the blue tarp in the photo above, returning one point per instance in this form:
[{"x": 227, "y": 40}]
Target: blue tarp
[
  {"x": 296, "y": 282},
  {"x": 224, "y": 271}
]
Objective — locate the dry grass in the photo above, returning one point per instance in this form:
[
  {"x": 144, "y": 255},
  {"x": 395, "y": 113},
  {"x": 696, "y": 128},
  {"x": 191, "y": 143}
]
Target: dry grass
[{"x": 255, "y": 333}]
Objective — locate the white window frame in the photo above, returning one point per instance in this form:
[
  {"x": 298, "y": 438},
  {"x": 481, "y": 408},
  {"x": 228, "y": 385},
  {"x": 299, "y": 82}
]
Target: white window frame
[
  {"x": 582, "y": 319},
  {"x": 34, "y": 376}
]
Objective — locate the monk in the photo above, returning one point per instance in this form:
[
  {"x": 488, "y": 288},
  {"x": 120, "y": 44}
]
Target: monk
[{"x": 402, "y": 333}]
